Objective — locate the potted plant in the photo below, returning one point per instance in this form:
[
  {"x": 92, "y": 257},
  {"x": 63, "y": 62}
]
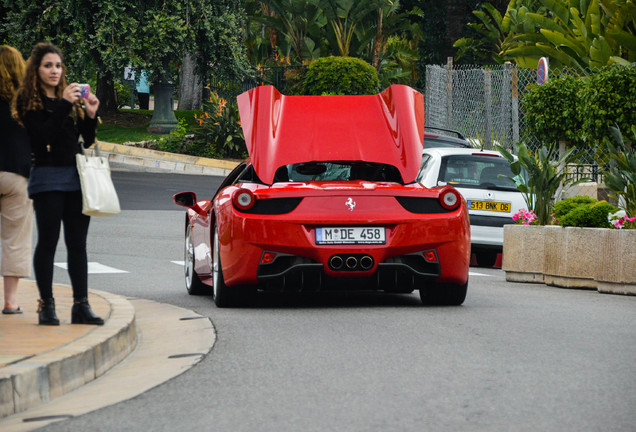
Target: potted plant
[
  {"x": 538, "y": 175},
  {"x": 585, "y": 243}
]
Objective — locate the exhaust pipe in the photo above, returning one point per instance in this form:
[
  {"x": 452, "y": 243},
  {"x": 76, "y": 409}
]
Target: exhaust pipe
[
  {"x": 351, "y": 262},
  {"x": 366, "y": 262},
  {"x": 336, "y": 262}
]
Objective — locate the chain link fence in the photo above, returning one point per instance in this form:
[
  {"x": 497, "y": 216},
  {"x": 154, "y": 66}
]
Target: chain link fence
[{"x": 484, "y": 105}]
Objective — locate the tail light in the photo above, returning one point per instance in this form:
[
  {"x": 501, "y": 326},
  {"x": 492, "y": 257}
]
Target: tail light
[
  {"x": 430, "y": 256},
  {"x": 268, "y": 257},
  {"x": 243, "y": 199},
  {"x": 450, "y": 199}
]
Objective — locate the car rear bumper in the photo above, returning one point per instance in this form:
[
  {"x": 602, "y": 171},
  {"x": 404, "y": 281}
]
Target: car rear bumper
[
  {"x": 300, "y": 262},
  {"x": 396, "y": 274}
]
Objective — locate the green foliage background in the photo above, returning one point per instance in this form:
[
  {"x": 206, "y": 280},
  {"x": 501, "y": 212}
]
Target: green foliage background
[
  {"x": 552, "y": 111},
  {"x": 608, "y": 98},
  {"x": 581, "y": 110},
  {"x": 341, "y": 76}
]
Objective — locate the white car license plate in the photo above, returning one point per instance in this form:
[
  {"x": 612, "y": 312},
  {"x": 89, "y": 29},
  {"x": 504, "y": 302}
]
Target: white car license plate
[{"x": 350, "y": 235}]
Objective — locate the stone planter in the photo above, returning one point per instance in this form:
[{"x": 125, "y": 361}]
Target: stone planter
[
  {"x": 584, "y": 258},
  {"x": 571, "y": 256},
  {"x": 523, "y": 253},
  {"x": 617, "y": 262}
]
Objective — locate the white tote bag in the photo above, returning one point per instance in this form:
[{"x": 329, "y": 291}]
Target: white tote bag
[{"x": 99, "y": 197}]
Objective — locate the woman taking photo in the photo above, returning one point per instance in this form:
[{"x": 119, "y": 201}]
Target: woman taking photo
[
  {"x": 16, "y": 210},
  {"x": 55, "y": 115}
]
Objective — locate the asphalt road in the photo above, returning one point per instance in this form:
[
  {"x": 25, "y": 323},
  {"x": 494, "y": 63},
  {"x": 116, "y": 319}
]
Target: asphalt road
[{"x": 514, "y": 357}]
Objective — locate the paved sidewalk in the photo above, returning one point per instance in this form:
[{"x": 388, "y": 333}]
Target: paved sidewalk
[
  {"x": 40, "y": 363},
  {"x": 22, "y": 338}
]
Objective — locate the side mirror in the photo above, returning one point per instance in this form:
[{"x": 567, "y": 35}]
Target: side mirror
[
  {"x": 188, "y": 200},
  {"x": 185, "y": 199}
]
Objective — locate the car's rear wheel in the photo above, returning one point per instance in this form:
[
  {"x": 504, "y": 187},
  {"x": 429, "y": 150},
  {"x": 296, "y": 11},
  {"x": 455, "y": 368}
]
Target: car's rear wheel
[
  {"x": 444, "y": 294},
  {"x": 222, "y": 295},
  {"x": 194, "y": 286},
  {"x": 486, "y": 258}
]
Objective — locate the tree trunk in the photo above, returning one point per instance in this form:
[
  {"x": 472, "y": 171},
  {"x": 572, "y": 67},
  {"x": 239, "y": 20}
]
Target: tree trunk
[
  {"x": 377, "y": 46},
  {"x": 273, "y": 35},
  {"x": 190, "y": 88},
  {"x": 105, "y": 92}
]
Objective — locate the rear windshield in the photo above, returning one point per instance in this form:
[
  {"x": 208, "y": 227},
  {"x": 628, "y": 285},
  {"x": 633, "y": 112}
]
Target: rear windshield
[
  {"x": 338, "y": 171},
  {"x": 475, "y": 171}
]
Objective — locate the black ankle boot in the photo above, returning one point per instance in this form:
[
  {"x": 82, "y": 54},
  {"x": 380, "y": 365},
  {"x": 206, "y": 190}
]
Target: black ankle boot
[
  {"x": 83, "y": 314},
  {"x": 46, "y": 312}
]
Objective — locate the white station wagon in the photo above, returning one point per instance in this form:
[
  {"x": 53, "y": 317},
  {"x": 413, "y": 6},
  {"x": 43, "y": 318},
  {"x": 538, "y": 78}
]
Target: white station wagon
[{"x": 491, "y": 199}]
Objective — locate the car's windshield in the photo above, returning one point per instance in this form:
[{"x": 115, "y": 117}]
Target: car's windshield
[
  {"x": 476, "y": 171},
  {"x": 338, "y": 171}
]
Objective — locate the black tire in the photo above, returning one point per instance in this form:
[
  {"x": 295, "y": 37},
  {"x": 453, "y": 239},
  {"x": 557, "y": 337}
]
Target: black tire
[
  {"x": 486, "y": 258},
  {"x": 444, "y": 294},
  {"x": 193, "y": 284},
  {"x": 222, "y": 295}
]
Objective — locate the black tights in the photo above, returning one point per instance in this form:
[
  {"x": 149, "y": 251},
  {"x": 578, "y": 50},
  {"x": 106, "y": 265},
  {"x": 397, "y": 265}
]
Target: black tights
[{"x": 51, "y": 210}]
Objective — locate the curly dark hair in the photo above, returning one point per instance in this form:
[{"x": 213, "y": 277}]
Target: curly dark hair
[{"x": 29, "y": 95}]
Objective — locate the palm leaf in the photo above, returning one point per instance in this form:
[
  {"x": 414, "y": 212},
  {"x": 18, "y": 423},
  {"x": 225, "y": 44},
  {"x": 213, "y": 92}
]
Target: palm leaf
[{"x": 559, "y": 9}]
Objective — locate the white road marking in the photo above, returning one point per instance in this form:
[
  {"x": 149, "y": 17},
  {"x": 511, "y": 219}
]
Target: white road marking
[
  {"x": 95, "y": 268},
  {"x": 181, "y": 263}
]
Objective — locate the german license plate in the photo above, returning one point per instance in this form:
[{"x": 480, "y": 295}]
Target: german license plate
[
  {"x": 350, "y": 235},
  {"x": 489, "y": 206}
]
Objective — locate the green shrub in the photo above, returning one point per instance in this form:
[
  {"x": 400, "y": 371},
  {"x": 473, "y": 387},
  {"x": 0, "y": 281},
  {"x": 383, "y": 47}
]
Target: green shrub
[
  {"x": 565, "y": 206},
  {"x": 608, "y": 99},
  {"x": 175, "y": 141},
  {"x": 583, "y": 212},
  {"x": 341, "y": 76},
  {"x": 219, "y": 133},
  {"x": 551, "y": 111}
]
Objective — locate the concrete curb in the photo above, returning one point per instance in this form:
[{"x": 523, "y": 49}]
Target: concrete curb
[
  {"x": 46, "y": 376},
  {"x": 171, "y": 340},
  {"x": 155, "y": 160}
]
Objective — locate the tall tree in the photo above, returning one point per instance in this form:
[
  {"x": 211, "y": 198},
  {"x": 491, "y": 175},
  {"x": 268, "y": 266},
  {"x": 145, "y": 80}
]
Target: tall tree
[
  {"x": 88, "y": 33},
  {"x": 101, "y": 38},
  {"x": 299, "y": 21}
]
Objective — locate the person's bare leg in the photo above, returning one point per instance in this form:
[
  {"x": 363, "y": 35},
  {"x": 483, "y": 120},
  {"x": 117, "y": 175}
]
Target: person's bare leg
[{"x": 11, "y": 292}]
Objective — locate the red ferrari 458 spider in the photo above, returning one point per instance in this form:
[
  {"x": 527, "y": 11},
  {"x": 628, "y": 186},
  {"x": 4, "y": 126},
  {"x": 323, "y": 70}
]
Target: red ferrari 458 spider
[{"x": 328, "y": 200}]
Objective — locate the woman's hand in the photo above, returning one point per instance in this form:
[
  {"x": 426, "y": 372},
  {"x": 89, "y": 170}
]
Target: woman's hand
[
  {"x": 91, "y": 103},
  {"x": 71, "y": 93}
]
